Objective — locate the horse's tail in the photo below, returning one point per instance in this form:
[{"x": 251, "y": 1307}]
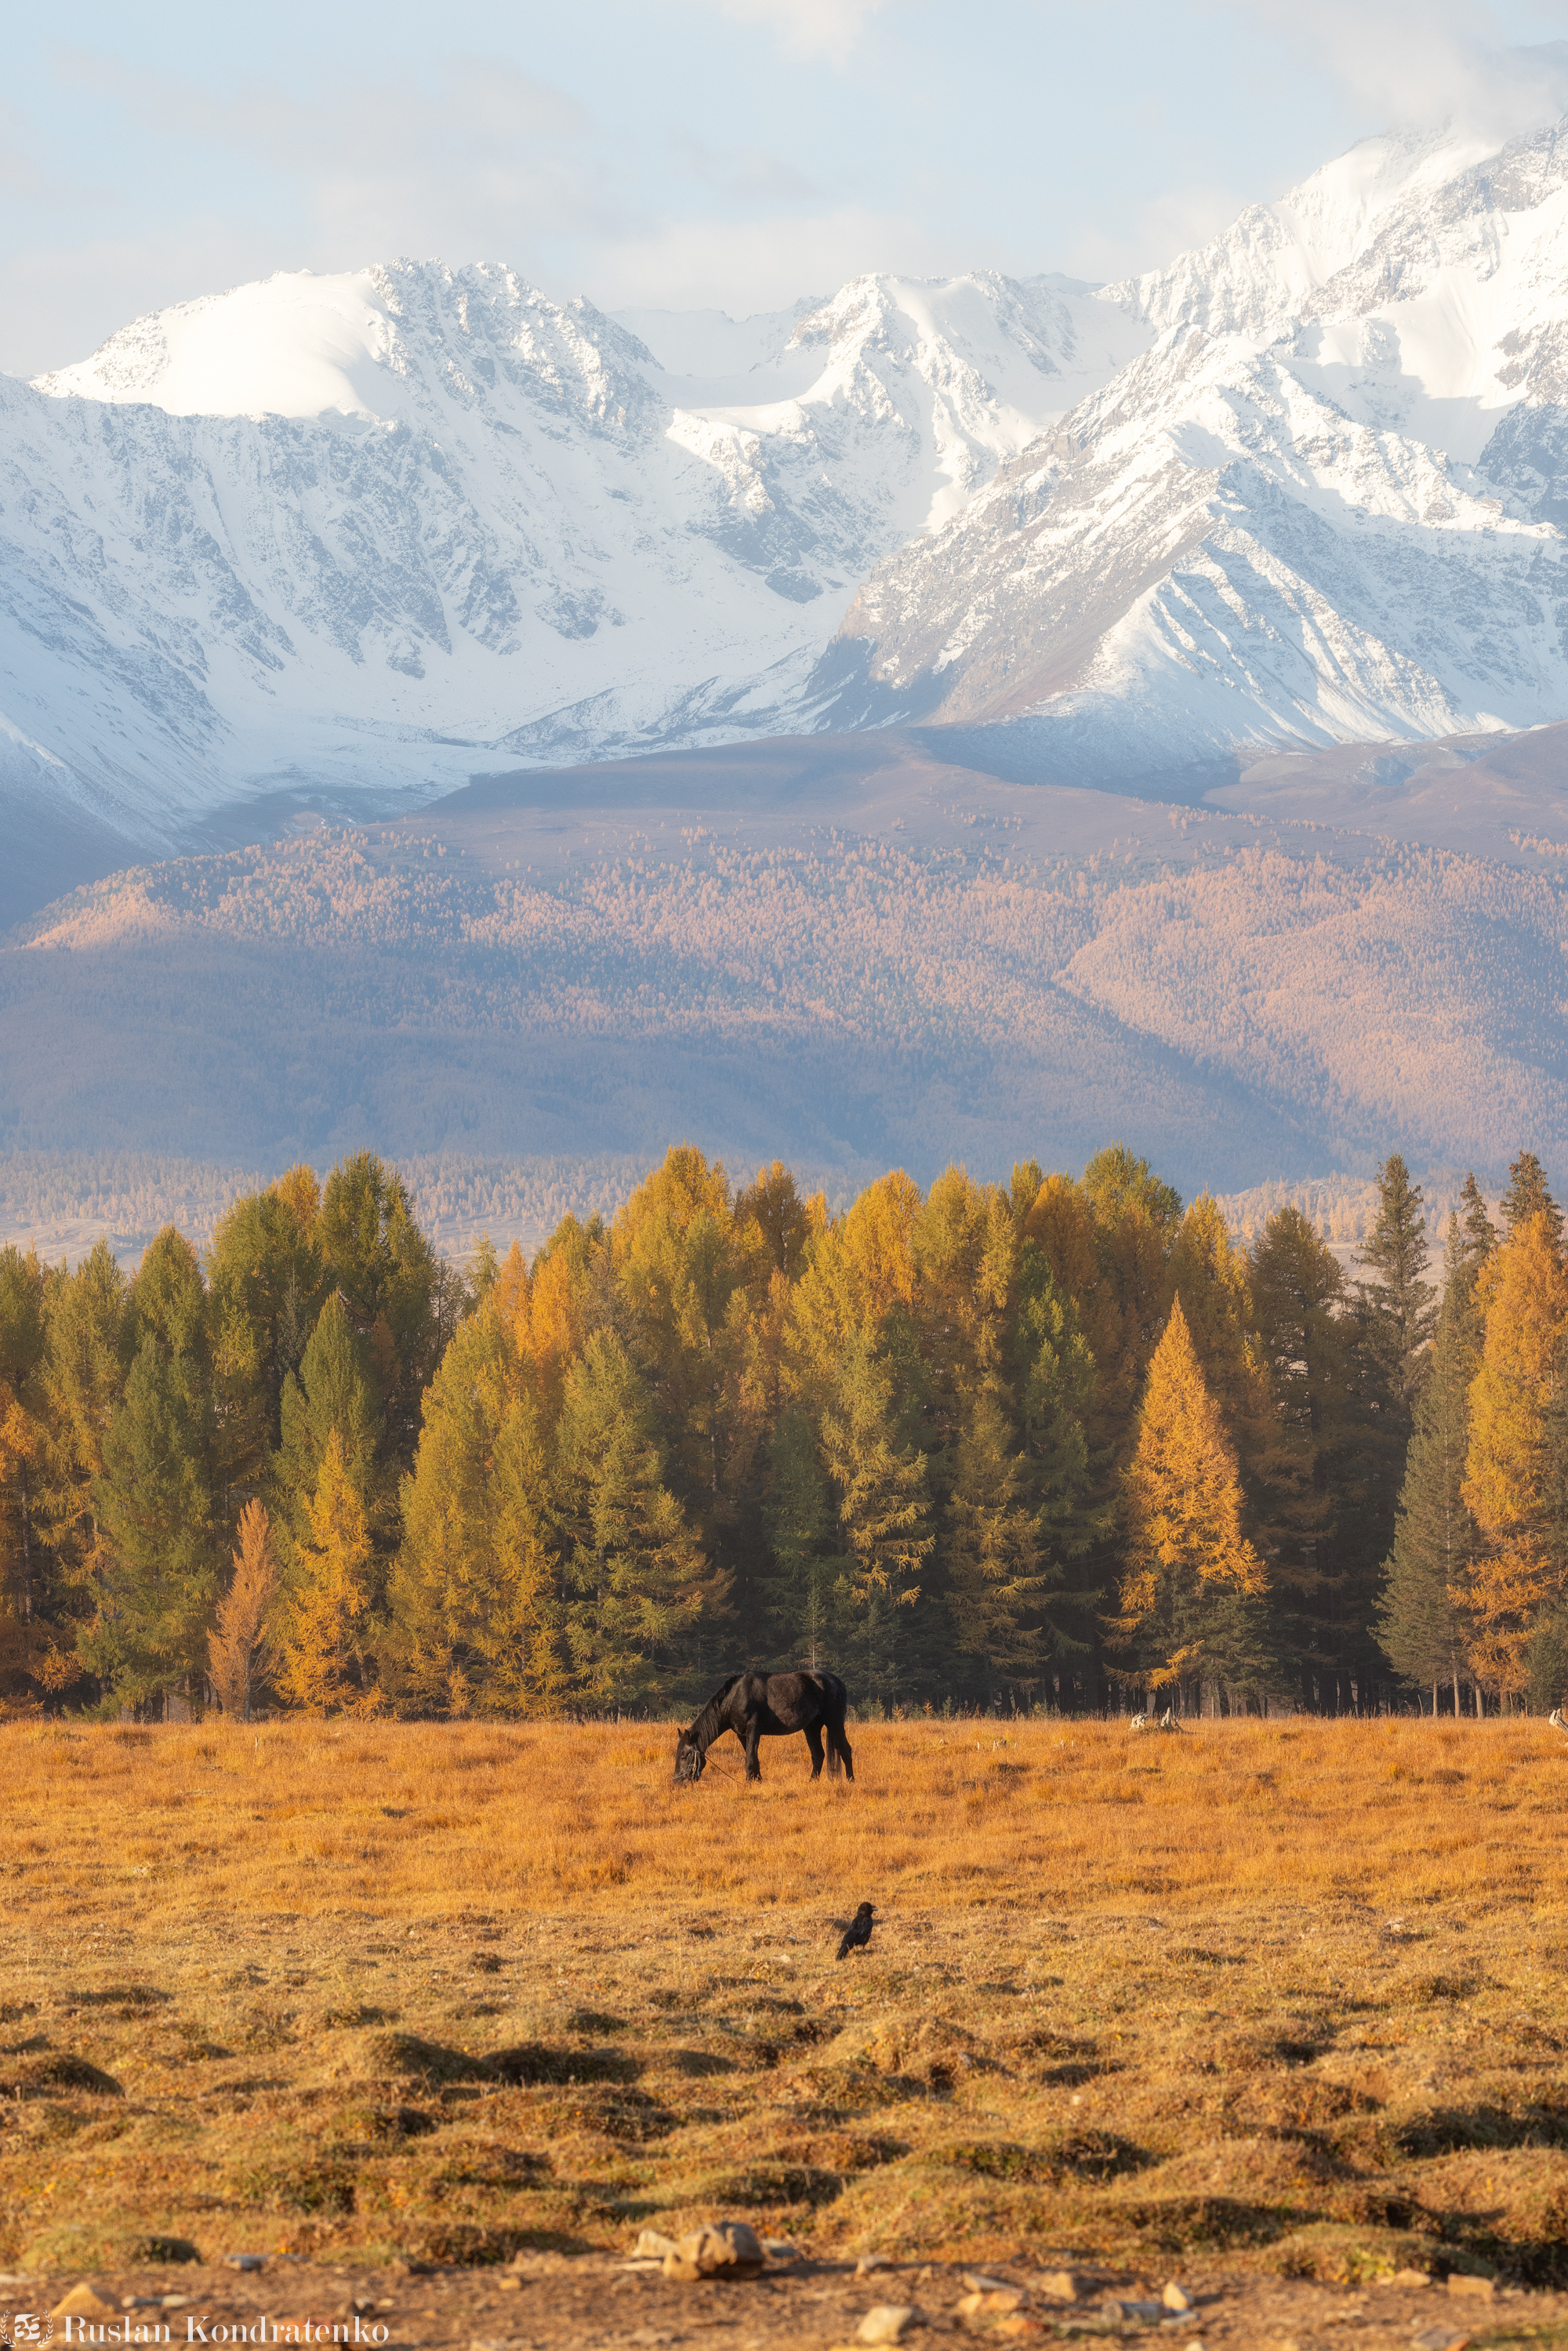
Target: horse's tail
[
  {"x": 835, "y": 1701},
  {"x": 837, "y": 1740}
]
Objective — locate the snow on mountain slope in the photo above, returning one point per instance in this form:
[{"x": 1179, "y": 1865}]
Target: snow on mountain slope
[
  {"x": 386, "y": 529},
  {"x": 394, "y": 525},
  {"x": 1325, "y": 504},
  {"x": 295, "y": 345},
  {"x": 1269, "y": 265}
]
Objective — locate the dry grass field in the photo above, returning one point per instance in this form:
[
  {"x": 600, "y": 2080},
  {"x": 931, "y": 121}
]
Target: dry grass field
[{"x": 1289, "y": 1997}]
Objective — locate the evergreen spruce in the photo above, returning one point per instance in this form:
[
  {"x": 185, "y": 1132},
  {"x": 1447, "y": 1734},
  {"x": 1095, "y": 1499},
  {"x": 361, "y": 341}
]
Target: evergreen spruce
[
  {"x": 478, "y": 1602},
  {"x": 883, "y": 1508},
  {"x": 335, "y": 1389},
  {"x": 1307, "y": 1476},
  {"x": 324, "y": 1663},
  {"x": 800, "y": 1616},
  {"x": 998, "y": 1579},
  {"x": 644, "y": 1603},
  {"x": 1478, "y": 1234},
  {"x": 155, "y": 1496},
  {"x": 1394, "y": 1316},
  {"x": 1398, "y": 1303},
  {"x": 1421, "y": 1622},
  {"x": 1528, "y": 1195}
]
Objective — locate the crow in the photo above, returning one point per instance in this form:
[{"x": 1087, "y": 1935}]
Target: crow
[{"x": 857, "y": 1934}]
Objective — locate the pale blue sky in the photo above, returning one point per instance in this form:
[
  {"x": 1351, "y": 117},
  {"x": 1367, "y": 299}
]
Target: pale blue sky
[{"x": 739, "y": 152}]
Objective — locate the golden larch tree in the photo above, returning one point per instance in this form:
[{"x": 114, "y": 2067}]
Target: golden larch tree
[
  {"x": 1523, "y": 1291},
  {"x": 1187, "y": 1563},
  {"x": 240, "y": 1651},
  {"x": 323, "y": 1663}
]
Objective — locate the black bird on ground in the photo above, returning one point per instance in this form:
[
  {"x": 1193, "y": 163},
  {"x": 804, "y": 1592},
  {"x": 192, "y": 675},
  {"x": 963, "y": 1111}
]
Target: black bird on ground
[{"x": 857, "y": 1934}]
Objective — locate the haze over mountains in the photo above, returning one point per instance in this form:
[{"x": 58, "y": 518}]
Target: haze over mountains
[{"x": 1170, "y": 606}]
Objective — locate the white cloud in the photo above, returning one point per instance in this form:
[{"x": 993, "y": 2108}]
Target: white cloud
[
  {"x": 482, "y": 162},
  {"x": 484, "y": 149},
  {"x": 809, "y": 28},
  {"x": 1178, "y": 220},
  {"x": 762, "y": 265},
  {"x": 1413, "y": 62}
]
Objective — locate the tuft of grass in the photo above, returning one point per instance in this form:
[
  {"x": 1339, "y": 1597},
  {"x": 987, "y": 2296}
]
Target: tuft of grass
[
  {"x": 56, "y": 2077},
  {"x": 406, "y": 2056}
]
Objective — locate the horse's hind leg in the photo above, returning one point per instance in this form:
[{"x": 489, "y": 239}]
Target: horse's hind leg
[
  {"x": 814, "y": 1741},
  {"x": 841, "y": 1748}
]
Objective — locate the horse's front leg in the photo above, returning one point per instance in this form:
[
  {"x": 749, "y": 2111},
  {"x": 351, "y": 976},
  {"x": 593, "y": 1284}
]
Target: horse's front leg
[
  {"x": 814, "y": 1741},
  {"x": 753, "y": 1734}
]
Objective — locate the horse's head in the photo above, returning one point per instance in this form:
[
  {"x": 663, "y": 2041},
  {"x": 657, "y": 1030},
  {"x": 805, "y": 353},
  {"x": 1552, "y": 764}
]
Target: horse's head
[{"x": 690, "y": 1760}]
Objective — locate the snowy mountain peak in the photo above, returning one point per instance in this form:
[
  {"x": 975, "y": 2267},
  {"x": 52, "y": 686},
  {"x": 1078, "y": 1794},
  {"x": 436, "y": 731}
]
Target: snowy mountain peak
[
  {"x": 1326, "y": 504},
  {"x": 390, "y": 343},
  {"x": 1265, "y": 270}
]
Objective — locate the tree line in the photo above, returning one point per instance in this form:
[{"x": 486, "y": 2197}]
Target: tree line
[{"x": 1058, "y": 1442}]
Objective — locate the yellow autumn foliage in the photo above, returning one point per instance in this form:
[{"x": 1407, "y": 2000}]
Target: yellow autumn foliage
[
  {"x": 1523, "y": 1291},
  {"x": 1182, "y": 1510}
]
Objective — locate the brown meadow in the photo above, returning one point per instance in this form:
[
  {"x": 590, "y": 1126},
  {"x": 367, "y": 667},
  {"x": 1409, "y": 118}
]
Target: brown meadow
[{"x": 1284, "y": 1994}]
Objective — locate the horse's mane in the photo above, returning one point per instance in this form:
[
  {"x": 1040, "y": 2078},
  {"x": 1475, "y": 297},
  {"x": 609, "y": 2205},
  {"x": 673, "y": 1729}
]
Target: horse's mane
[{"x": 705, "y": 1729}]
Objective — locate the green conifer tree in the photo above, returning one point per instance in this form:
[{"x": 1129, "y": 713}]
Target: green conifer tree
[
  {"x": 1391, "y": 1330},
  {"x": 1000, "y": 1582},
  {"x": 1528, "y": 1195},
  {"x": 1398, "y": 1303},
  {"x": 266, "y": 1284},
  {"x": 155, "y": 1499},
  {"x": 477, "y": 1605},
  {"x": 83, "y": 1378},
  {"x": 325, "y": 1637},
  {"x": 800, "y": 1611},
  {"x": 642, "y": 1597},
  {"x": 334, "y": 1388},
  {"x": 1478, "y": 1234},
  {"x": 1421, "y": 1626},
  {"x": 1307, "y": 1478},
  {"x": 398, "y": 1293},
  {"x": 880, "y": 1481}
]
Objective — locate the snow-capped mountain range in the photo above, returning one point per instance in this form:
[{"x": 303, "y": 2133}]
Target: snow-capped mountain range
[
  {"x": 395, "y": 527},
  {"x": 1325, "y": 503},
  {"x": 406, "y": 524}
]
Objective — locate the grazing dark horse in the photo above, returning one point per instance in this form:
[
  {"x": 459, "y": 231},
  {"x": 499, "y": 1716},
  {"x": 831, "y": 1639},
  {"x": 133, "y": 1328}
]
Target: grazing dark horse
[{"x": 770, "y": 1706}]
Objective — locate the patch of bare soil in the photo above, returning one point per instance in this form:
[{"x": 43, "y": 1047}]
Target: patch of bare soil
[{"x": 555, "y": 2302}]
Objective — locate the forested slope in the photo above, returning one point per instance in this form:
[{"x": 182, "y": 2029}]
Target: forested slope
[{"x": 922, "y": 979}]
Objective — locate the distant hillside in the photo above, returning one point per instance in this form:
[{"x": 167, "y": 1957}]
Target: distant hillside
[{"x": 902, "y": 965}]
